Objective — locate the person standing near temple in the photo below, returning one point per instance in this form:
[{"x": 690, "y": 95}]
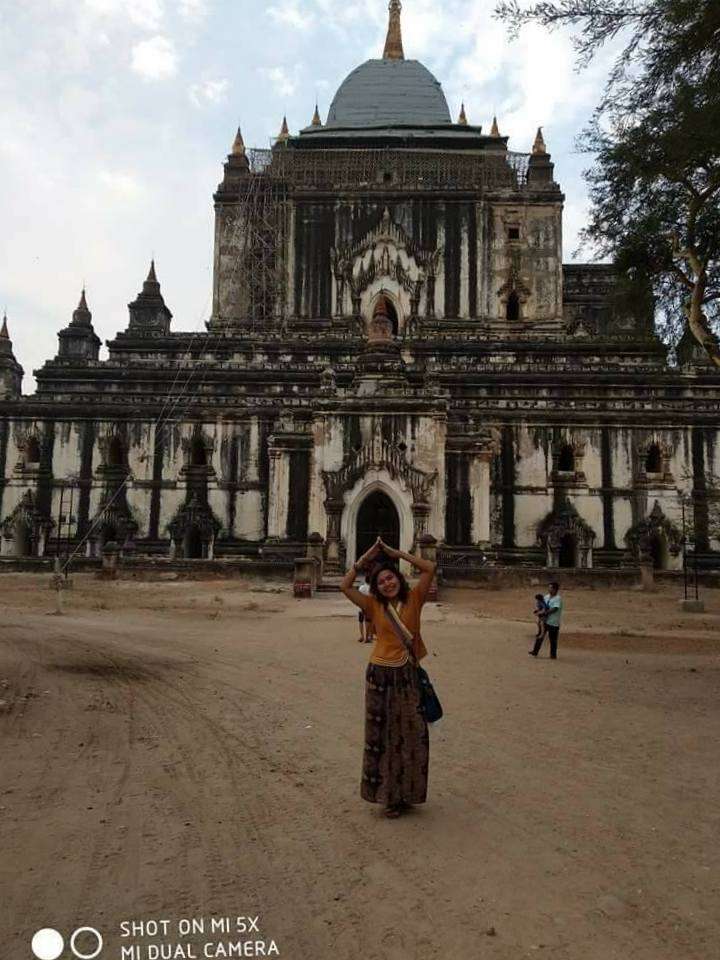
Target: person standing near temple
[
  {"x": 553, "y": 619},
  {"x": 396, "y": 757}
]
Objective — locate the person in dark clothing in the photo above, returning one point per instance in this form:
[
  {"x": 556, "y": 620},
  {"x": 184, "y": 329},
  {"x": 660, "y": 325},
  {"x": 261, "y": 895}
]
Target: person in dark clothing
[
  {"x": 553, "y": 617},
  {"x": 540, "y": 613}
]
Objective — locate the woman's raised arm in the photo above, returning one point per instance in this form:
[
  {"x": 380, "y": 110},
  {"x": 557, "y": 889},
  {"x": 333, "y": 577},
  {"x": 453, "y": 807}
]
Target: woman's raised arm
[
  {"x": 426, "y": 567},
  {"x": 347, "y": 584}
]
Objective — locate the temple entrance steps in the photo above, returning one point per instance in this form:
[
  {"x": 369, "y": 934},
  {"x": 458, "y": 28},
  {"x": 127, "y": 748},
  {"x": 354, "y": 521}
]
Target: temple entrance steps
[{"x": 330, "y": 585}]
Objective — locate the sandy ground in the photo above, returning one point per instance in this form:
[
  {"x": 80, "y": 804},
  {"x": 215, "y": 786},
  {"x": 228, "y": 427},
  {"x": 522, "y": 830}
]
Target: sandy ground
[{"x": 182, "y": 750}]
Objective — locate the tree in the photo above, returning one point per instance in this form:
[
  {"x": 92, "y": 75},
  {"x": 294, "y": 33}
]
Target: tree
[{"x": 655, "y": 180}]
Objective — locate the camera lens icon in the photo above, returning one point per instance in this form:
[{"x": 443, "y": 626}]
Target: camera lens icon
[{"x": 48, "y": 944}]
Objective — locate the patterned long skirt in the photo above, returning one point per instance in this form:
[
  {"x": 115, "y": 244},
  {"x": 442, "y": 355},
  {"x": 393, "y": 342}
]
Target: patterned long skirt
[{"x": 395, "y": 765}]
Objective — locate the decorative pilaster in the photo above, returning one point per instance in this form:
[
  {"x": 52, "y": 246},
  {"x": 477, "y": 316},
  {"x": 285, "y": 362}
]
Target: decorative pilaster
[
  {"x": 334, "y": 510},
  {"x": 480, "y": 494},
  {"x": 421, "y": 512},
  {"x": 428, "y": 551},
  {"x": 279, "y": 491},
  {"x": 479, "y": 449}
]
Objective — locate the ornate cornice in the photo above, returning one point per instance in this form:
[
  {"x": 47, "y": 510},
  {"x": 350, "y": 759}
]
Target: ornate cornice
[{"x": 379, "y": 455}]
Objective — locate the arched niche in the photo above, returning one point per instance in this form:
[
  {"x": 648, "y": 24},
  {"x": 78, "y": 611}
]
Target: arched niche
[
  {"x": 385, "y": 303},
  {"x": 198, "y": 452},
  {"x": 116, "y": 455},
  {"x": 654, "y": 459},
  {"x": 566, "y": 459},
  {"x": 32, "y": 452},
  {"x": 358, "y": 496}
]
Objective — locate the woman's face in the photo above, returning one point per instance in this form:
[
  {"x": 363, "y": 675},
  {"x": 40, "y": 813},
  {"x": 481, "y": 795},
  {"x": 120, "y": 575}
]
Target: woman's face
[{"x": 388, "y": 584}]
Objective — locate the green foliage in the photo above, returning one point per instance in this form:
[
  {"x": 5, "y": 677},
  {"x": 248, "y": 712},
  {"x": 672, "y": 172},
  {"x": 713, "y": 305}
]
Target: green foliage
[{"x": 655, "y": 138}]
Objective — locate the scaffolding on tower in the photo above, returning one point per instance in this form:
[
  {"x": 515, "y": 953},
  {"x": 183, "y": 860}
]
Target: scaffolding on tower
[{"x": 264, "y": 217}]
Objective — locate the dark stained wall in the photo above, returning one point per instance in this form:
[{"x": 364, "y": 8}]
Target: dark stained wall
[
  {"x": 458, "y": 510},
  {"x": 320, "y": 227},
  {"x": 452, "y": 258},
  {"x": 507, "y": 461},
  {"x": 87, "y": 443},
  {"x": 297, "y": 524},
  {"x": 607, "y": 491},
  {"x": 701, "y": 512},
  {"x": 4, "y": 434},
  {"x": 158, "y": 458},
  {"x": 314, "y": 239}
]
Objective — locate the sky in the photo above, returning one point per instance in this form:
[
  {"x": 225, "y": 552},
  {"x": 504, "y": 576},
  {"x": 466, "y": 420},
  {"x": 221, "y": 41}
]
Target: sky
[{"x": 117, "y": 116}]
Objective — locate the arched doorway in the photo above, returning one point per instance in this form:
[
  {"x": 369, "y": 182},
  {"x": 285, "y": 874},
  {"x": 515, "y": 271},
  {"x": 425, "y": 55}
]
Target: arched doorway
[
  {"x": 377, "y": 517},
  {"x": 23, "y": 540},
  {"x": 32, "y": 452},
  {"x": 198, "y": 453},
  {"x": 653, "y": 460},
  {"x": 512, "y": 308},
  {"x": 566, "y": 460},
  {"x": 567, "y": 555},
  {"x": 659, "y": 552},
  {"x": 193, "y": 544},
  {"x": 116, "y": 453}
]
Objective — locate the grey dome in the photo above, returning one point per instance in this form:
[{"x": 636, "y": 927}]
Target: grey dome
[{"x": 387, "y": 93}]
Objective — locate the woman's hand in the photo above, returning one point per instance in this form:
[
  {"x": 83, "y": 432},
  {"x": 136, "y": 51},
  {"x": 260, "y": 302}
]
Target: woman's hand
[
  {"x": 390, "y": 551},
  {"x": 348, "y": 581},
  {"x": 370, "y": 554},
  {"x": 427, "y": 568}
]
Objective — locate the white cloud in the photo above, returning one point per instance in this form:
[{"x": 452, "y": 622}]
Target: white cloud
[
  {"x": 289, "y": 14},
  {"x": 284, "y": 84},
  {"x": 66, "y": 80},
  {"x": 146, "y": 14},
  {"x": 120, "y": 186},
  {"x": 193, "y": 10},
  {"x": 154, "y": 59},
  {"x": 209, "y": 92}
]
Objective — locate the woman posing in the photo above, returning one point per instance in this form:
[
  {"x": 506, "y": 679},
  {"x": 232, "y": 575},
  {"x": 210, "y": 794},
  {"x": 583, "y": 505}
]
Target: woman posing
[{"x": 395, "y": 765}]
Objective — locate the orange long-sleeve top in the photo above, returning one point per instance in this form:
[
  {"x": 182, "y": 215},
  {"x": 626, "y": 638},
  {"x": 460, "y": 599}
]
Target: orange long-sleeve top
[{"x": 389, "y": 650}]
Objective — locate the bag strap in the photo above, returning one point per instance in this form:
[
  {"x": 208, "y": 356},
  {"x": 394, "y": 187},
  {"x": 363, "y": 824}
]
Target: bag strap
[{"x": 405, "y": 636}]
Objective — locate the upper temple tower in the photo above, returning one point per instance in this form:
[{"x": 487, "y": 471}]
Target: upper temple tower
[
  {"x": 389, "y": 196},
  {"x": 11, "y": 373}
]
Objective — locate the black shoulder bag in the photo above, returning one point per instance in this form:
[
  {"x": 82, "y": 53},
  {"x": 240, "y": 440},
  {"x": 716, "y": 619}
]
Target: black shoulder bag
[{"x": 429, "y": 701}]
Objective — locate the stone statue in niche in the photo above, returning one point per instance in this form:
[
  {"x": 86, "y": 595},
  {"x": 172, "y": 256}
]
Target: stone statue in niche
[{"x": 380, "y": 328}]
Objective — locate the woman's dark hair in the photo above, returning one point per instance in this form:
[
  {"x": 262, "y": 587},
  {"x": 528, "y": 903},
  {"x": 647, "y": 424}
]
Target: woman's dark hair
[{"x": 404, "y": 591}]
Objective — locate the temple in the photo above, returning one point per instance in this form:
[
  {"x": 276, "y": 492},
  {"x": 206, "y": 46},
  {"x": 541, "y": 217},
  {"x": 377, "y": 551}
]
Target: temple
[{"x": 395, "y": 347}]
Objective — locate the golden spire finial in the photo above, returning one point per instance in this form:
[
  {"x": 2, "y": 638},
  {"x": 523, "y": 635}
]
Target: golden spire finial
[
  {"x": 238, "y": 147},
  {"x": 316, "y": 121},
  {"x": 462, "y": 119},
  {"x": 393, "y": 43},
  {"x": 495, "y": 129},
  {"x": 284, "y": 131},
  {"x": 539, "y": 145}
]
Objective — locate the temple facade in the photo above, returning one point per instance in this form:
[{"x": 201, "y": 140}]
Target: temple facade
[{"x": 395, "y": 347}]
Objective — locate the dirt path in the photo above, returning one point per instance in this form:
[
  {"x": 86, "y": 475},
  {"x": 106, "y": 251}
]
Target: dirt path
[{"x": 176, "y": 750}]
